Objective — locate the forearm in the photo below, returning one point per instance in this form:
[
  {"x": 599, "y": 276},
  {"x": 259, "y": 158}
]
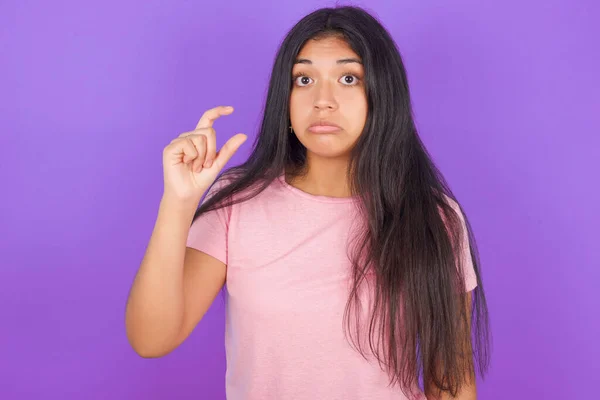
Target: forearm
[
  {"x": 468, "y": 392},
  {"x": 155, "y": 306},
  {"x": 468, "y": 385}
]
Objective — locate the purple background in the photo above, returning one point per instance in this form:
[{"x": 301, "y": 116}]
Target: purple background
[{"x": 506, "y": 96}]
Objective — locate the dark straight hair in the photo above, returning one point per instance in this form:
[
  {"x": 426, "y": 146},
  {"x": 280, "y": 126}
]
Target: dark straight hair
[{"x": 410, "y": 252}]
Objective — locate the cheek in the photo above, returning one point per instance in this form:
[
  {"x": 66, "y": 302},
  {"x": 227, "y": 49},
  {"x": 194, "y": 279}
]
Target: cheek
[
  {"x": 295, "y": 106},
  {"x": 356, "y": 112},
  {"x": 300, "y": 107}
]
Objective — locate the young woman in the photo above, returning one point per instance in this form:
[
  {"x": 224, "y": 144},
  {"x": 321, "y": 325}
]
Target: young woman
[{"x": 351, "y": 271}]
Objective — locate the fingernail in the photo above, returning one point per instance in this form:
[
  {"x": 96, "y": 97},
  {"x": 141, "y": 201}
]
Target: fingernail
[
  {"x": 228, "y": 108},
  {"x": 208, "y": 164}
]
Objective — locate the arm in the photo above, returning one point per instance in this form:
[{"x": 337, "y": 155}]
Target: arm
[
  {"x": 174, "y": 285},
  {"x": 469, "y": 389}
]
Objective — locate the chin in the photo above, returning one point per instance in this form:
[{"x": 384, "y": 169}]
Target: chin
[
  {"x": 328, "y": 152},
  {"x": 327, "y": 146}
]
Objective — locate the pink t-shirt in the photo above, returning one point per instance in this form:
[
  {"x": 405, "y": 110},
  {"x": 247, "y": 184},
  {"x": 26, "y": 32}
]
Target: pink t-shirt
[{"x": 287, "y": 287}]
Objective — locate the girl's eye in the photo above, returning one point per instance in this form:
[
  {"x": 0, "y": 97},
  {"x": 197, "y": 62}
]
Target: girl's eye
[
  {"x": 301, "y": 80},
  {"x": 347, "y": 80},
  {"x": 350, "y": 79}
]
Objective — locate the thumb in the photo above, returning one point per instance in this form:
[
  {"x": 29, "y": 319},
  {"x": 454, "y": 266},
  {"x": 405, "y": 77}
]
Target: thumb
[{"x": 229, "y": 149}]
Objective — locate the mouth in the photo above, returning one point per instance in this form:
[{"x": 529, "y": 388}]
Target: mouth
[{"x": 324, "y": 127}]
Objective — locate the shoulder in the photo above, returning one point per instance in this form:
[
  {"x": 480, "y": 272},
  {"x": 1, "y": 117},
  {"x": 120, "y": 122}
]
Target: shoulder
[
  {"x": 255, "y": 194},
  {"x": 452, "y": 203}
]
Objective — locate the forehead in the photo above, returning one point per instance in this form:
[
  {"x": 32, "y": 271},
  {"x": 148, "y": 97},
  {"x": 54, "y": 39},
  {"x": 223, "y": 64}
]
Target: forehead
[{"x": 326, "y": 50}]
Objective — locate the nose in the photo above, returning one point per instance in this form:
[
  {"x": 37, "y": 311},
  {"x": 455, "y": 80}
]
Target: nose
[{"x": 325, "y": 97}]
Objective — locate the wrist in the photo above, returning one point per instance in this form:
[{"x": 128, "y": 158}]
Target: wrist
[{"x": 180, "y": 206}]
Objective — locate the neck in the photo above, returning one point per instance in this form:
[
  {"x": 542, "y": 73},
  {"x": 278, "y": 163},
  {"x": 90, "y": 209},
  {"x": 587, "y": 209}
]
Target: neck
[{"x": 323, "y": 177}]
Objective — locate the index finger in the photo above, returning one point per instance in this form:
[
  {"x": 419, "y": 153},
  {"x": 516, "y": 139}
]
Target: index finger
[{"x": 209, "y": 116}]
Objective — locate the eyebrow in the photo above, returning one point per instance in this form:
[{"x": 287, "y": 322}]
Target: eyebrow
[{"x": 342, "y": 61}]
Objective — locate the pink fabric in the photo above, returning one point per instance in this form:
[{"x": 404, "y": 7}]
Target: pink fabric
[{"x": 287, "y": 287}]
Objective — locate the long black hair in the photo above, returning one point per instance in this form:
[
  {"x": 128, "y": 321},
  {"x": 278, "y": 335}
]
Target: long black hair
[{"x": 421, "y": 325}]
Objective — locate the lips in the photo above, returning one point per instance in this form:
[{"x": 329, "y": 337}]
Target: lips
[{"x": 324, "y": 127}]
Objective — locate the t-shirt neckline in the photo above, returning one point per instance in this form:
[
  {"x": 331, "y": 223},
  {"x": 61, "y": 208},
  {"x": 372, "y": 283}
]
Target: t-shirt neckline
[{"x": 319, "y": 198}]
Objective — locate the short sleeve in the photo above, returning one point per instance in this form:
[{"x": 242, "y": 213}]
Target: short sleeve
[
  {"x": 209, "y": 231},
  {"x": 464, "y": 252}
]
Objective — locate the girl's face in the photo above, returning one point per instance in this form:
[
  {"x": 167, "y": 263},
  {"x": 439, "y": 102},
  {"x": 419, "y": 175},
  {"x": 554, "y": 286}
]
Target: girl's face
[{"x": 328, "y": 88}]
